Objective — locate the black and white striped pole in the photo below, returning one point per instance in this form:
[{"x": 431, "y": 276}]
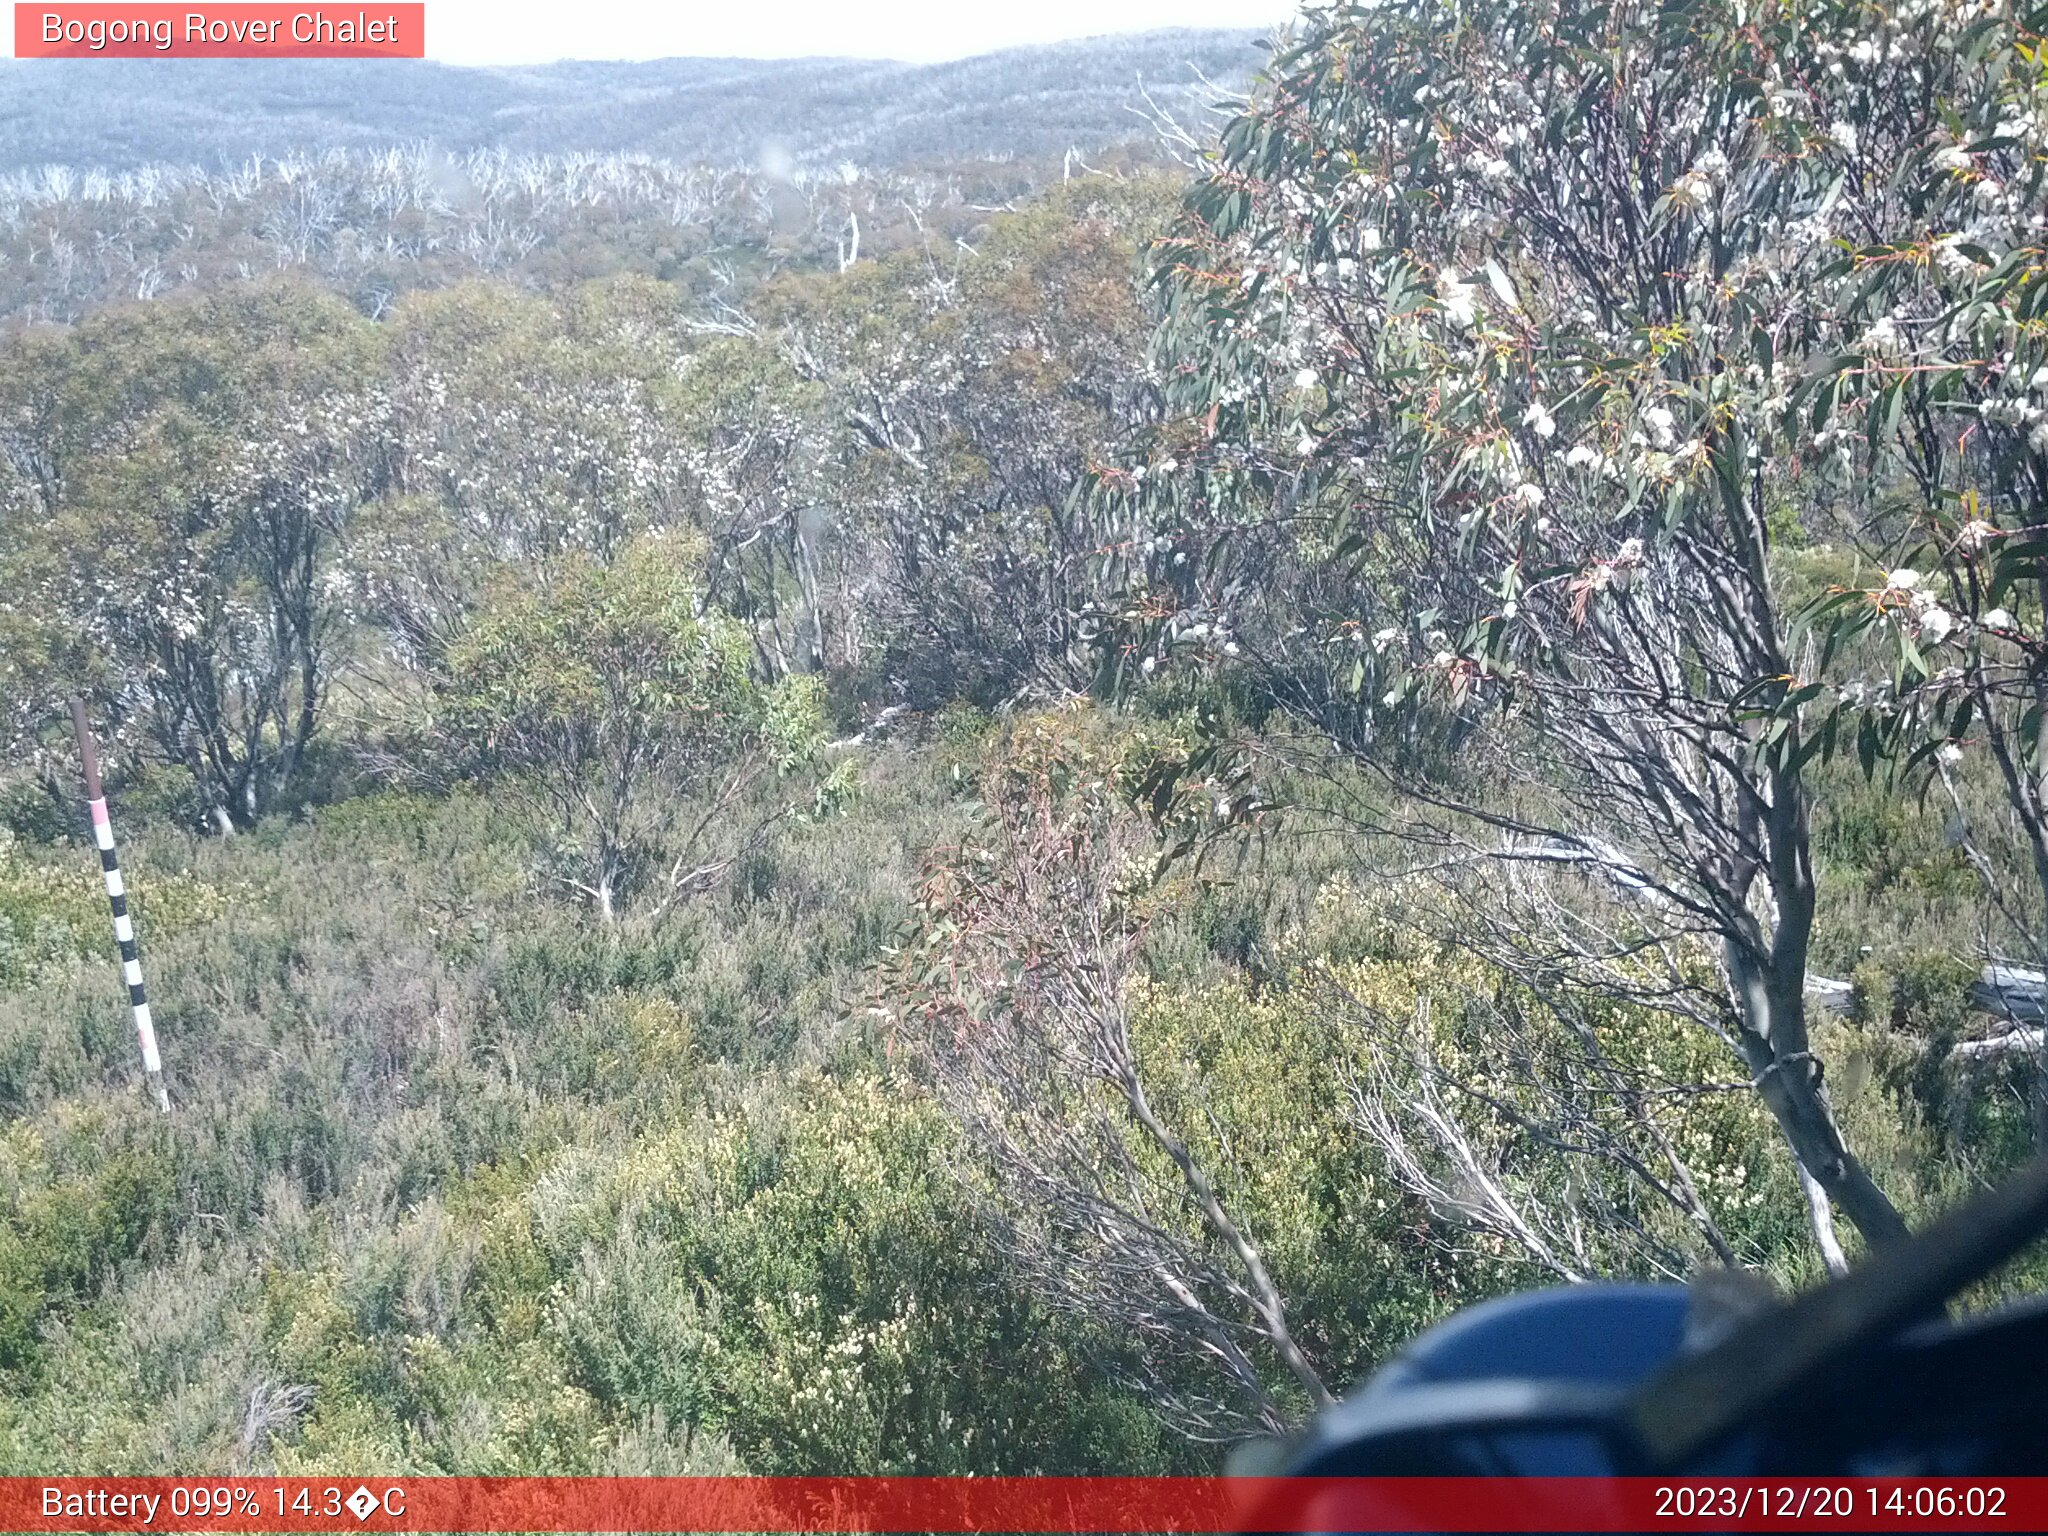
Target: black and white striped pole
[{"x": 117, "y": 898}]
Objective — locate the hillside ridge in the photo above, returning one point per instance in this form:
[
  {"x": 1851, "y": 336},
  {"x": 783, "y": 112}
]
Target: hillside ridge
[{"x": 119, "y": 113}]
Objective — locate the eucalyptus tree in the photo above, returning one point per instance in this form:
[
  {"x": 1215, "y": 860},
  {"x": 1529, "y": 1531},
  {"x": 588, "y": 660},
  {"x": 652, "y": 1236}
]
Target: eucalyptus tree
[
  {"x": 178, "y": 556},
  {"x": 621, "y": 722},
  {"x": 1497, "y": 341},
  {"x": 33, "y": 454},
  {"x": 756, "y": 450},
  {"x": 967, "y": 386},
  {"x": 527, "y": 429},
  {"x": 1931, "y": 423}
]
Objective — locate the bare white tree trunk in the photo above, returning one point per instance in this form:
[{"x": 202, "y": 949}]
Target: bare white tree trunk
[{"x": 1822, "y": 1217}]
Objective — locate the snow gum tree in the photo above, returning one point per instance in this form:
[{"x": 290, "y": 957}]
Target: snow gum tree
[
  {"x": 1929, "y": 422},
  {"x": 1498, "y": 342},
  {"x": 525, "y": 430},
  {"x": 965, "y": 389},
  {"x": 622, "y": 722},
  {"x": 185, "y": 477}
]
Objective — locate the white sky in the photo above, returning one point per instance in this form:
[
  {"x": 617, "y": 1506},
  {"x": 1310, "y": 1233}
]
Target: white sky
[{"x": 540, "y": 31}]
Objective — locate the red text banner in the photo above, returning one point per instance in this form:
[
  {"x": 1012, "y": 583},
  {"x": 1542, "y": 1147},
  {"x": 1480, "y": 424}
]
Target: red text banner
[
  {"x": 375, "y": 31},
  {"x": 1051, "y": 1505}
]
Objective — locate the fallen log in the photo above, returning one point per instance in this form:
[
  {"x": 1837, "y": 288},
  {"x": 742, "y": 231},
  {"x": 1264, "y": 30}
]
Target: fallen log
[
  {"x": 2005, "y": 991},
  {"x": 1995, "y": 1047},
  {"x": 2013, "y": 993}
]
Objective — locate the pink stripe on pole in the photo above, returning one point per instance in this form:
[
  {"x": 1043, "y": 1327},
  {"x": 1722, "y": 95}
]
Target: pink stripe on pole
[{"x": 99, "y": 813}]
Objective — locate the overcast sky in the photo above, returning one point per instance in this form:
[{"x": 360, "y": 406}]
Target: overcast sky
[{"x": 539, "y": 31}]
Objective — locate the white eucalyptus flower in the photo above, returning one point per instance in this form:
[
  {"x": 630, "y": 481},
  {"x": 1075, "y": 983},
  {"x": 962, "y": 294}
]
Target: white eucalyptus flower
[{"x": 1460, "y": 299}]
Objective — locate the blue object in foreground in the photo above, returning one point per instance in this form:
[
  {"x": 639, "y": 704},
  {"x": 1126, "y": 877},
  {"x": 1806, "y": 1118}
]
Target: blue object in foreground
[{"x": 1604, "y": 1380}]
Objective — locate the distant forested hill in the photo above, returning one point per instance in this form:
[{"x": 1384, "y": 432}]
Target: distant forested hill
[{"x": 816, "y": 112}]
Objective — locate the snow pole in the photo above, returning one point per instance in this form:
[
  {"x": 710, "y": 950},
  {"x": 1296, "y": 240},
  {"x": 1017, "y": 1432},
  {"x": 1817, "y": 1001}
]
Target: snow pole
[{"x": 117, "y": 898}]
